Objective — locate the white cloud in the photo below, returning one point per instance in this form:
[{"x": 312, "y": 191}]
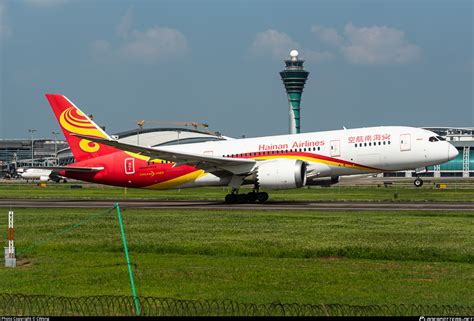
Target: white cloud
[
  {"x": 4, "y": 29},
  {"x": 279, "y": 44},
  {"x": 44, "y": 3},
  {"x": 378, "y": 45},
  {"x": 154, "y": 44},
  {"x": 328, "y": 35},
  {"x": 125, "y": 25},
  {"x": 101, "y": 49},
  {"x": 370, "y": 45},
  {"x": 149, "y": 46}
]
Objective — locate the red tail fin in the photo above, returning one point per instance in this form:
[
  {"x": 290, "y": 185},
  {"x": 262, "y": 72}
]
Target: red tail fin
[{"x": 73, "y": 121}]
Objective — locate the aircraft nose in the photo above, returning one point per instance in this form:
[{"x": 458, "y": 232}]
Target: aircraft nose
[{"x": 452, "y": 152}]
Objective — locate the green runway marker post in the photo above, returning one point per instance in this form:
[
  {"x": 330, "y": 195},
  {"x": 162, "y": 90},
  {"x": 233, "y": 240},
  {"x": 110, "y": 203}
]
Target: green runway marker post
[{"x": 137, "y": 308}]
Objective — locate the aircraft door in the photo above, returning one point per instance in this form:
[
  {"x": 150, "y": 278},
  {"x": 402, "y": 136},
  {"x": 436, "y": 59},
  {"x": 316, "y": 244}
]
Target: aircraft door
[
  {"x": 405, "y": 142},
  {"x": 129, "y": 166},
  {"x": 335, "y": 148}
]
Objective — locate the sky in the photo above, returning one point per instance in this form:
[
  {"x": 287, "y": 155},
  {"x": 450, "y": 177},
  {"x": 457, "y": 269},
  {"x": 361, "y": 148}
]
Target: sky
[{"x": 371, "y": 63}]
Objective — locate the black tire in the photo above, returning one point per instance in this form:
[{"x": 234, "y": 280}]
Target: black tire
[
  {"x": 231, "y": 198},
  {"x": 418, "y": 182},
  {"x": 242, "y": 198},
  {"x": 262, "y": 197},
  {"x": 252, "y": 197}
]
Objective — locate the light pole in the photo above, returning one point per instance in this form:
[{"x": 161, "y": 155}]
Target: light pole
[
  {"x": 55, "y": 147},
  {"x": 140, "y": 124},
  {"x": 32, "y": 131}
]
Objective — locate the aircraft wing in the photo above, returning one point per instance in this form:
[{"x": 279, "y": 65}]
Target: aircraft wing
[
  {"x": 71, "y": 168},
  {"x": 208, "y": 163}
]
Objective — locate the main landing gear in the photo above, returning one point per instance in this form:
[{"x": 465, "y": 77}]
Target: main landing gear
[
  {"x": 251, "y": 197},
  {"x": 418, "y": 182}
]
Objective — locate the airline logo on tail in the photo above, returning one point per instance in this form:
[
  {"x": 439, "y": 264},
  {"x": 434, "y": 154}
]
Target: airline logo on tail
[{"x": 74, "y": 121}]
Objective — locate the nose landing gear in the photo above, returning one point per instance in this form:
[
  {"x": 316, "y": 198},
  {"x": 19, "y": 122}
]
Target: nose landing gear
[{"x": 418, "y": 182}]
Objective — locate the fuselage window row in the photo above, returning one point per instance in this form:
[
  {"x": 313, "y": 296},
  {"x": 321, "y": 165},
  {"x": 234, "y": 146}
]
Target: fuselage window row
[
  {"x": 273, "y": 152},
  {"x": 370, "y": 144}
]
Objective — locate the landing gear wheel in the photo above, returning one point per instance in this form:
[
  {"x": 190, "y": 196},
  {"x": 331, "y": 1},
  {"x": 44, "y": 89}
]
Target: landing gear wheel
[
  {"x": 242, "y": 198},
  {"x": 262, "y": 197},
  {"x": 252, "y": 197},
  {"x": 418, "y": 182},
  {"x": 231, "y": 198}
]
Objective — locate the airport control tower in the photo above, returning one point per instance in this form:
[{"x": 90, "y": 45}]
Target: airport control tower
[{"x": 294, "y": 77}]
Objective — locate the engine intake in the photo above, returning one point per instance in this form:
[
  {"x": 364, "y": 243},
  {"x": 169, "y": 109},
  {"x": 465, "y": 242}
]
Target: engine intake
[{"x": 281, "y": 174}]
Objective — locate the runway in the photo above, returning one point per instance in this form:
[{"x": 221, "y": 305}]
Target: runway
[{"x": 152, "y": 204}]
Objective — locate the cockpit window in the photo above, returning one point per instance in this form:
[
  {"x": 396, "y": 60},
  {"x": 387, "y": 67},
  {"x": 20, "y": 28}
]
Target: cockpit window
[
  {"x": 441, "y": 138},
  {"x": 433, "y": 139}
]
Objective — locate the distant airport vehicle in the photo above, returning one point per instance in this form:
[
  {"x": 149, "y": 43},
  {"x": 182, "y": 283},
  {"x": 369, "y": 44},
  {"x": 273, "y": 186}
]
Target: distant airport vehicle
[
  {"x": 43, "y": 175},
  {"x": 271, "y": 162}
]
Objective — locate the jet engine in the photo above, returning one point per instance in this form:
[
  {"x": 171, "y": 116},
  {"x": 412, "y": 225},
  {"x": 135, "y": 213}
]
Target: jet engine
[
  {"x": 44, "y": 178},
  {"x": 323, "y": 181},
  {"x": 281, "y": 174}
]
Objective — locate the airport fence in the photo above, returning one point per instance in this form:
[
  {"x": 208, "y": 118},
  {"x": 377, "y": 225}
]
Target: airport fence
[{"x": 28, "y": 305}]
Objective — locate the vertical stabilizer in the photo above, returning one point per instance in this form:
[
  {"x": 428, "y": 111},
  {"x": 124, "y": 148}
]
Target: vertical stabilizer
[{"x": 73, "y": 121}]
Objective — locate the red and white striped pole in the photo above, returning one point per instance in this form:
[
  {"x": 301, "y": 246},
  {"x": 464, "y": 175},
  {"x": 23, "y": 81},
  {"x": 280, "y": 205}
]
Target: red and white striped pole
[
  {"x": 11, "y": 236},
  {"x": 10, "y": 260}
]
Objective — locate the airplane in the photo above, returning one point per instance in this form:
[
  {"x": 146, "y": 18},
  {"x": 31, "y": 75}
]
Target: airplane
[
  {"x": 270, "y": 162},
  {"x": 41, "y": 174}
]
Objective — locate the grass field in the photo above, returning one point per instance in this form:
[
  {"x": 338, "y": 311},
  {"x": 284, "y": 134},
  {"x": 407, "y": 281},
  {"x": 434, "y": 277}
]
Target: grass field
[
  {"x": 247, "y": 256},
  {"x": 397, "y": 193}
]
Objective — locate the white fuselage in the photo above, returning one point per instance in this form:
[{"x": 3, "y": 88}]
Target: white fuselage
[
  {"x": 335, "y": 153},
  {"x": 36, "y": 174}
]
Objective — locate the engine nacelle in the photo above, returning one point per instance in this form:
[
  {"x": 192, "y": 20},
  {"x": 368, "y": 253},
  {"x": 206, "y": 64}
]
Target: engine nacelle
[
  {"x": 323, "y": 181},
  {"x": 44, "y": 178},
  {"x": 281, "y": 174}
]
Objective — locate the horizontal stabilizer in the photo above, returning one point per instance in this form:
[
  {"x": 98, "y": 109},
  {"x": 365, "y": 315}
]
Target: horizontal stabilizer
[{"x": 72, "y": 168}]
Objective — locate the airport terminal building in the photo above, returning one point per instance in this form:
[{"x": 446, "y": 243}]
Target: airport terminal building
[{"x": 16, "y": 153}]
